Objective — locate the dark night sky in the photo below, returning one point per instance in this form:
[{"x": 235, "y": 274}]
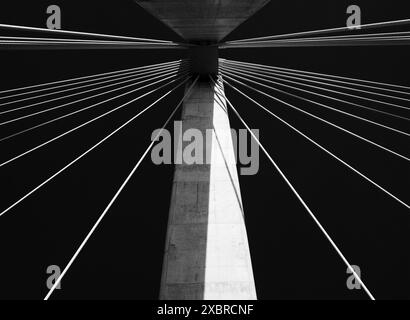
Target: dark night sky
[{"x": 123, "y": 260}]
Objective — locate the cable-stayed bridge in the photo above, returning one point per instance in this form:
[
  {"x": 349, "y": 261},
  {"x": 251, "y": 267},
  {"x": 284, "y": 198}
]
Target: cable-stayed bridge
[{"x": 207, "y": 255}]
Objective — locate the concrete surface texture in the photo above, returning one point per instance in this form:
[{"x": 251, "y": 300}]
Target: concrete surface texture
[
  {"x": 207, "y": 254},
  {"x": 206, "y": 21}
]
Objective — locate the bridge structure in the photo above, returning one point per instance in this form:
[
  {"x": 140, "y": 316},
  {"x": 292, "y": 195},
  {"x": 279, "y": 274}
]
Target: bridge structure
[{"x": 206, "y": 254}]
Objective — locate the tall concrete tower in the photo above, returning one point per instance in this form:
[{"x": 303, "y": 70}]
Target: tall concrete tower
[{"x": 206, "y": 253}]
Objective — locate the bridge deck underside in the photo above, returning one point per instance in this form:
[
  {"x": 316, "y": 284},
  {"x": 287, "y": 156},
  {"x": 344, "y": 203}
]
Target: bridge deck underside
[{"x": 202, "y": 20}]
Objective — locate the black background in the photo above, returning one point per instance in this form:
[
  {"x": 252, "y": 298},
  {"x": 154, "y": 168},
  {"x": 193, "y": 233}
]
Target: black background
[{"x": 123, "y": 260}]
